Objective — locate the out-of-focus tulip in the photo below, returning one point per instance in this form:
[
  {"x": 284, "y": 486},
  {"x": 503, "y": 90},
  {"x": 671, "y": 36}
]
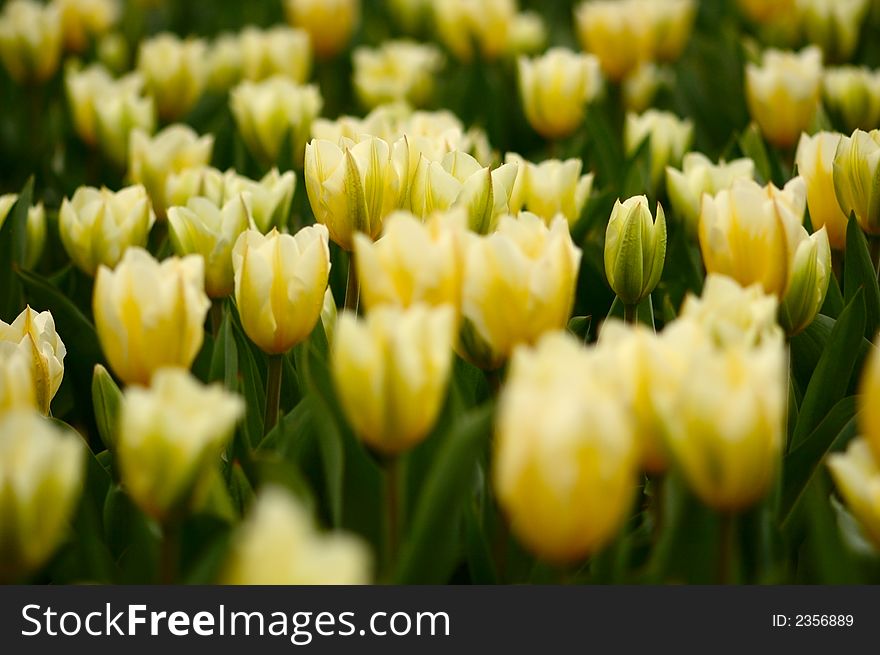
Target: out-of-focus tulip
[
  {"x": 527, "y": 34},
  {"x": 41, "y": 478},
  {"x": 97, "y": 225},
  {"x": 413, "y": 262},
  {"x": 396, "y": 71},
  {"x": 766, "y": 11},
  {"x": 353, "y": 188},
  {"x": 329, "y": 23},
  {"x": 275, "y": 109},
  {"x": 30, "y": 40},
  {"x": 857, "y": 178},
  {"x": 35, "y": 227},
  {"x": 391, "y": 372},
  {"x": 565, "y": 458},
  {"x": 278, "y": 543},
  {"x": 152, "y": 159},
  {"x": 150, "y": 314},
  {"x": 857, "y": 477},
  {"x": 34, "y": 335},
  {"x": 783, "y": 93},
  {"x": 833, "y": 25},
  {"x": 669, "y": 137},
  {"x": 329, "y": 315},
  {"x": 853, "y": 94},
  {"x": 275, "y": 51},
  {"x": 555, "y": 87},
  {"x": 698, "y": 176},
  {"x": 464, "y": 24},
  {"x": 641, "y": 86},
  {"x": 518, "y": 283},
  {"x": 869, "y": 400},
  {"x": 83, "y": 19},
  {"x": 175, "y": 71},
  {"x": 604, "y": 26},
  {"x": 550, "y": 187},
  {"x": 671, "y": 22},
  {"x": 17, "y": 389},
  {"x": 224, "y": 62},
  {"x": 280, "y": 280},
  {"x": 809, "y": 276},
  {"x": 170, "y": 438},
  {"x": 206, "y": 229},
  {"x": 411, "y": 15},
  {"x": 113, "y": 52},
  {"x": 815, "y": 162},
  {"x": 635, "y": 249}
]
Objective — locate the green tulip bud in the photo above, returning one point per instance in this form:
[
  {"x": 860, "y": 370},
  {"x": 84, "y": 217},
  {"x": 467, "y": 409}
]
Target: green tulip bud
[{"x": 635, "y": 249}]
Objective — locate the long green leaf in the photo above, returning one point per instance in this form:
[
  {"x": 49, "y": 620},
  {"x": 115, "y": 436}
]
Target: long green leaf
[
  {"x": 859, "y": 273},
  {"x": 13, "y": 248}
]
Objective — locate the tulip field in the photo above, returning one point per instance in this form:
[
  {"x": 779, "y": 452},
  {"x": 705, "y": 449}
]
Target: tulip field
[{"x": 439, "y": 291}]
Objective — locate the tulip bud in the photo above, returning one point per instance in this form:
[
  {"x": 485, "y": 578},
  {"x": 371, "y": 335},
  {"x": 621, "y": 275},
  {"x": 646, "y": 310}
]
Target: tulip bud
[
  {"x": 152, "y": 159},
  {"x": 275, "y": 51},
  {"x": 268, "y": 112},
  {"x": 176, "y": 73},
  {"x": 527, "y": 34},
  {"x": 698, "y": 176},
  {"x": 34, "y": 334},
  {"x": 413, "y": 262},
  {"x": 224, "y": 62},
  {"x": 17, "y": 389},
  {"x": 280, "y": 280},
  {"x": 602, "y": 27},
  {"x": 671, "y": 22},
  {"x": 329, "y": 23},
  {"x": 278, "y": 543},
  {"x": 550, "y": 187},
  {"x": 869, "y": 400},
  {"x": 751, "y": 233},
  {"x": 635, "y": 249},
  {"x": 97, "y": 225},
  {"x": 857, "y": 477},
  {"x": 669, "y": 138},
  {"x": 564, "y": 454},
  {"x": 30, "y": 40},
  {"x": 268, "y": 201},
  {"x": 396, "y": 71},
  {"x": 555, "y": 88},
  {"x": 391, "y": 372},
  {"x": 35, "y": 227},
  {"x": 518, "y": 283},
  {"x": 150, "y": 314},
  {"x": 853, "y": 95},
  {"x": 857, "y": 178},
  {"x": 41, "y": 477},
  {"x": 463, "y": 25},
  {"x": 170, "y": 437},
  {"x": 83, "y": 19},
  {"x": 783, "y": 93},
  {"x": 833, "y": 25},
  {"x": 113, "y": 52},
  {"x": 809, "y": 277},
  {"x": 352, "y": 188},
  {"x": 203, "y": 228}
]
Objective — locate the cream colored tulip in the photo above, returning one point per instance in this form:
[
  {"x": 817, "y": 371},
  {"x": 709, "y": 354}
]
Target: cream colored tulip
[
  {"x": 120, "y": 109},
  {"x": 98, "y": 225},
  {"x": 669, "y": 138},
  {"x": 330, "y": 24},
  {"x": 150, "y": 314},
  {"x": 833, "y": 25},
  {"x": 853, "y": 94},
  {"x": 17, "y": 389},
  {"x": 280, "y": 280},
  {"x": 33, "y": 333},
  {"x": 857, "y": 477},
  {"x": 83, "y": 19},
  {"x": 550, "y": 187},
  {"x": 619, "y": 33},
  {"x": 815, "y": 162},
  {"x": 396, "y": 71},
  {"x": 869, "y": 400},
  {"x": 391, "y": 372},
  {"x": 857, "y": 178},
  {"x": 275, "y": 51},
  {"x": 30, "y": 40},
  {"x": 225, "y": 62},
  {"x": 809, "y": 277},
  {"x": 464, "y": 24},
  {"x": 527, "y": 34},
  {"x": 176, "y": 73}
]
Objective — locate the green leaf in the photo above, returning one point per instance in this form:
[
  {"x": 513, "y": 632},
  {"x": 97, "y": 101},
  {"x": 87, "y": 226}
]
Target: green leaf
[
  {"x": 106, "y": 400},
  {"x": 767, "y": 165},
  {"x": 859, "y": 273},
  {"x": 431, "y": 547},
  {"x": 224, "y": 359},
  {"x": 251, "y": 386},
  {"x": 13, "y": 247}
]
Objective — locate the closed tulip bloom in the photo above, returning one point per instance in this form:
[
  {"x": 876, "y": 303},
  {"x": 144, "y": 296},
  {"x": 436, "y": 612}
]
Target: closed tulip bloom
[
  {"x": 152, "y": 159},
  {"x": 150, "y": 314},
  {"x": 280, "y": 280},
  {"x": 176, "y": 73},
  {"x": 857, "y": 477},
  {"x": 206, "y": 229},
  {"x": 279, "y": 544},
  {"x": 30, "y": 40},
  {"x": 698, "y": 176},
  {"x": 413, "y": 262},
  {"x": 869, "y": 400},
  {"x": 119, "y": 110},
  {"x": 555, "y": 88},
  {"x": 783, "y": 93},
  {"x": 857, "y": 178},
  {"x": 669, "y": 137},
  {"x": 833, "y": 25},
  {"x": 82, "y": 85},
  {"x": 550, "y": 187},
  {"x": 98, "y": 225},
  {"x": 815, "y": 162},
  {"x": 17, "y": 389},
  {"x": 391, "y": 372},
  {"x": 518, "y": 283},
  {"x": 198, "y": 181},
  {"x": 853, "y": 94},
  {"x": 329, "y": 23},
  {"x": 42, "y": 470},
  {"x": 396, "y": 71},
  {"x": 224, "y": 62},
  {"x": 35, "y": 227},
  {"x": 672, "y": 23},
  {"x": 170, "y": 437},
  {"x": 275, "y": 51},
  {"x": 268, "y": 112},
  {"x": 83, "y": 19},
  {"x": 604, "y": 25},
  {"x": 33, "y": 333},
  {"x": 353, "y": 188},
  {"x": 808, "y": 282},
  {"x": 463, "y": 25},
  {"x": 565, "y": 460},
  {"x": 635, "y": 249}
]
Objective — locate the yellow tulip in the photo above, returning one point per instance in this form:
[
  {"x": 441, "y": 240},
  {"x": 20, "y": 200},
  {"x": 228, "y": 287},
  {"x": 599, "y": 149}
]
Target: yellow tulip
[
  {"x": 278, "y": 543},
  {"x": 809, "y": 276},
  {"x": 225, "y": 62},
  {"x": 857, "y": 477},
  {"x": 853, "y": 94},
  {"x": 97, "y": 225},
  {"x": 635, "y": 249},
  {"x": 150, "y": 314},
  {"x": 833, "y": 25},
  {"x": 41, "y": 478},
  {"x": 170, "y": 437},
  {"x": 672, "y": 23},
  {"x": 856, "y": 174},
  {"x": 275, "y": 51},
  {"x": 815, "y": 162},
  {"x": 619, "y": 33},
  {"x": 550, "y": 187},
  {"x": 34, "y": 334},
  {"x": 280, "y": 280},
  {"x": 564, "y": 455},
  {"x": 396, "y": 71},
  {"x": 17, "y": 388},
  {"x": 83, "y": 19},
  {"x": 463, "y": 24},
  {"x": 869, "y": 400},
  {"x": 669, "y": 138},
  {"x": 329, "y": 23},
  {"x": 766, "y": 11},
  {"x": 175, "y": 71},
  {"x": 30, "y": 40}
]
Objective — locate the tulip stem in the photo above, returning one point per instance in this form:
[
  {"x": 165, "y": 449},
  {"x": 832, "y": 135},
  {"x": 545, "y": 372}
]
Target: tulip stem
[
  {"x": 392, "y": 507},
  {"x": 630, "y": 313},
  {"x": 726, "y": 537},
  {"x": 352, "y": 287},
  {"x": 216, "y": 317},
  {"x": 169, "y": 553},
  {"x": 273, "y": 392}
]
